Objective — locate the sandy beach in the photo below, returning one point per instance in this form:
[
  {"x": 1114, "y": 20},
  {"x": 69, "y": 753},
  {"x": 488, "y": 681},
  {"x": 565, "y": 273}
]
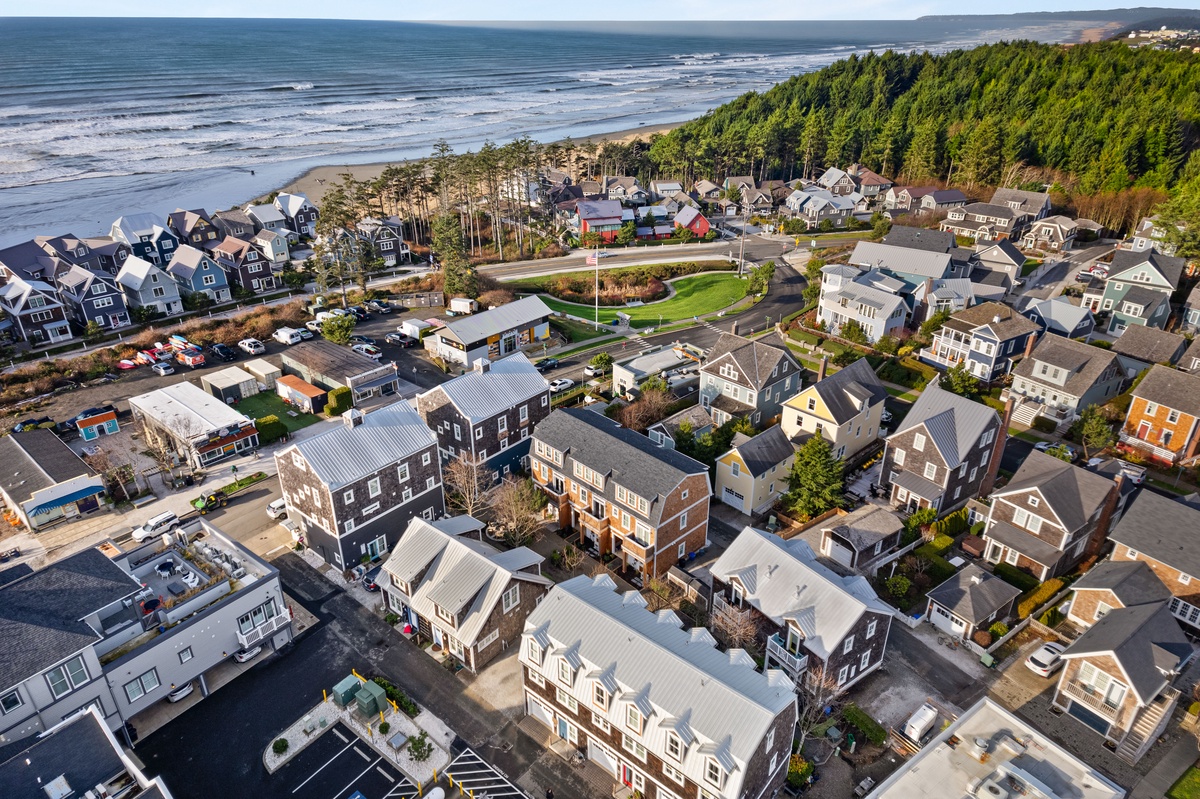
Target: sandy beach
[
  {"x": 314, "y": 182},
  {"x": 1098, "y": 33}
]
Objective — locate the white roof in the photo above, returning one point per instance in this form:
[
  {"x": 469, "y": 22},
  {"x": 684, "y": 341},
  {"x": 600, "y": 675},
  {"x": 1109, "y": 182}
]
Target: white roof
[
  {"x": 291, "y": 204},
  {"x": 477, "y": 327},
  {"x": 458, "y": 574},
  {"x": 901, "y": 259},
  {"x": 187, "y": 410},
  {"x": 784, "y": 581},
  {"x": 135, "y": 272},
  {"x": 347, "y": 453},
  {"x": 264, "y": 213},
  {"x": 230, "y": 376},
  {"x": 677, "y": 677},
  {"x": 507, "y": 383},
  {"x": 134, "y": 226}
]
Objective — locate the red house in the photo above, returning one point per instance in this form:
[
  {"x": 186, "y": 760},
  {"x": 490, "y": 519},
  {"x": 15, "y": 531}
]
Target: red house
[
  {"x": 693, "y": 220},
  {"x": 599, "y": 216}
]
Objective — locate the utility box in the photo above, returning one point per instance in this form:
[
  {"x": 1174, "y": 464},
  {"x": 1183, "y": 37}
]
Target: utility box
[
  {"x": 343, "y": 692},
  {"x": 371, "y": 698}
]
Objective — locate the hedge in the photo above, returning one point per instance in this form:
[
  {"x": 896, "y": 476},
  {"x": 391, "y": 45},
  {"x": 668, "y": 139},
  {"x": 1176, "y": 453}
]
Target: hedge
[
  {"x": 940, "y": 569},
  {"x": 952, "y": 524},
  {"x": 936, "y": 547},
  {"x": 868, "y": 726},
  {"x": 999, "y": 629},
  {"x": 1038, "y": 596},
  {"x": 806, "y": 337},
  {"x": 978, "y": 527},
  {"x": 1015, "y": 577},
  {"x": 1044, "y": 424},
  {"x": 1051, "y": 618},
  {"x": 402, "y": 700},
  {"x": 270, "y": 429},
  {"x": 339, "y": 401}
]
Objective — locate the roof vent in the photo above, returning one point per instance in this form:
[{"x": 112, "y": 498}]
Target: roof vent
[
  {"x": 976, "y": 579},
  {"x": 353, "y": 417},
  {"x": 996, "y": 319},
  {"x": 482, "y": 366}
]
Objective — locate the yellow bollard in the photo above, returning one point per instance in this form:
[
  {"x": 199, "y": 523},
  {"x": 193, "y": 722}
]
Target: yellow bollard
[
  {"x": 461, "y": 791},
  {"x": 420, "y": 790},
  {"x": 435, "y": 775},
  {"x": 472, "y": 792},
  {"x": 381, "y": 716},
  {"x": 324, "y": 695}
]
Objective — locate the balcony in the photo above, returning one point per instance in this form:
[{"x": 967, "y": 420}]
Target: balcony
[
  {"x": 722, "y": 606},
  {"x": 636, "y": 548},
  {"x": 264, "y": 631},
  {"x": 1159, "y": 452},
  {"x": 793, "y": 663},
  {"x": 598, "y": 524},
  {"x": 1088, "y": 696}
]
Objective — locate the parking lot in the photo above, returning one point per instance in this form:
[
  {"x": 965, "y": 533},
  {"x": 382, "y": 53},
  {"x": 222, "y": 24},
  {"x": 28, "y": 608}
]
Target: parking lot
[
  {"x": 339, "y": 765},
  {"x": 480, "y": 779}
]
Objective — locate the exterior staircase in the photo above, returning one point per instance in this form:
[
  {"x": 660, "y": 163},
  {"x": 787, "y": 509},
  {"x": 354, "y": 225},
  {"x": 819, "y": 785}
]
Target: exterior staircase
[
  {"x": 1147, "y": 726},
  {"x": 1025, "y": 412}
]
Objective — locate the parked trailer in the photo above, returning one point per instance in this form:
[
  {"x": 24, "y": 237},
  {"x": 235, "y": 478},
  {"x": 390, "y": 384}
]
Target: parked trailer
[{"x": 190, "y": 357}]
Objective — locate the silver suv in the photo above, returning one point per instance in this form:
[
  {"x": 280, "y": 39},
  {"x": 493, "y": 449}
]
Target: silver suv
[{"x": 166, "y": 522}]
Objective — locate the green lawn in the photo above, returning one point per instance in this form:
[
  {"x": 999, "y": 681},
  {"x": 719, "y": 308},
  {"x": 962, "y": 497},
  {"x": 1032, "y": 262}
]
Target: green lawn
[
  {"x": 540, "y": 282},
  {"x": 901, "y": 394},
  {"x": 1187, "y": 786},
  {"x": 1181, "y": 490},
  {"x": 694, "y": 296},
  {"x": 1026, "y": 435},
  {"x": 576, "y": 331},
  {"x": 1029, "y": 265},
  {"x": 265, "y": 403}
]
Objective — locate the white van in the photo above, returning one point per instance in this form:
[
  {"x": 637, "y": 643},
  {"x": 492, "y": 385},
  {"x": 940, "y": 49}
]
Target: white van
[{"x": 287, "y": 335}]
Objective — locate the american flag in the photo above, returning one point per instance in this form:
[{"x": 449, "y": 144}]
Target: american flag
[{"x": 592, "y": 260}]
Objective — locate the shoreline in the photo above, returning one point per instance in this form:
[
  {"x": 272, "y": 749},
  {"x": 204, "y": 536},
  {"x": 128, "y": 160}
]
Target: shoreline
[{"x": 313, "y": 182}]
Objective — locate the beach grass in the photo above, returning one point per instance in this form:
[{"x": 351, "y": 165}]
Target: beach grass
[{"x": 694, "y": 296}]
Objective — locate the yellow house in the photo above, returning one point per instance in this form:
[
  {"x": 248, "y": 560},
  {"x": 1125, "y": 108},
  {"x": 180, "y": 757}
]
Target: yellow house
[
  {"x": 754, "y": 473},
  {"x": 845, "y": 408}
]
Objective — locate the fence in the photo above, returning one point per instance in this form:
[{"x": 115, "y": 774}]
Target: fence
[
  {"x": 423, "y": 299},
  {"x": 796, "y": 527}
]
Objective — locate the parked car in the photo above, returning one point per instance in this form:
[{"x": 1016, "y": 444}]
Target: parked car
[
  {"x": 1046, "y": 660},
  {"x": 359, "y": 313},
  {"x": 546, "y": 364},
  {"x": 162, "y": 369},
  {"x": 181, "y": 692},
  {"x": 885, "y": 416},
  {"x": 164, "y": 522},
  {"x": 379, "y": 306},
  {"x": 313, "y": 326},
  {"x": 400, "y": 340},
  {"x": 1043, "y": 446},
  {"x": 1099, "y": 270},
  {"x": 305, "y": 333},
  {"x": 287, "y": 335},
  {"x": 277, "y": 509},
  {"x": 360, "y": 339},
  {"x": 369, "y": 350},
  {"x": 562, "y": 384},
  {"x": 222, "y": 352},
  {"x": 251, "y": 346},
  {"x": 594, "y": 371},
  {"x": 32, "y": 424},
  {"x": 370, "y": 580},
  {"x": 1083, "y": 276},
  {"x": 242, "y": 655}
]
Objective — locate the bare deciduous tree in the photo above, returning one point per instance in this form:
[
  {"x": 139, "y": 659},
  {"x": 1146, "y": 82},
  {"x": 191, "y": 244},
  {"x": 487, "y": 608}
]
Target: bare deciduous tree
[
  {"x": 467, "y": 480},
  {"x": 819, "y": 701},
  {"x": 572, "y": 558},
  {"x": 516, "y": 507},
  {"x": 649, "y": 408},
  {"x": 735, "y": 629},
  {"x": 662, "y": 594}
]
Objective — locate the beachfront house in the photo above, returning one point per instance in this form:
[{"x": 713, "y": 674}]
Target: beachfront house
[
  {"x": 245, "y": 266},
  {"x": 35, "y": 312},
  {"x": 147, "y": 237},
  {"x": 195, "y": 272},
  {"x": 147, "y": 285},
  {"x": 92, "y": 297},
  {"x": 194, "y": 227},
  {"x": 301, "y": 215}
]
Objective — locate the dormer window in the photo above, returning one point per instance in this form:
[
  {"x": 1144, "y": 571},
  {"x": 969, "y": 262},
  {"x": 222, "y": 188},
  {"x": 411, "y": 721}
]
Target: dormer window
[
  {"x": 634, "y": 719},
  {"x": 674, "y": 746},
  {"x": 534, "y": 651},
  {"x": 446, "y": 615},
  {"x": 600, "y": 695},
  {"x": 566, "y": 674},
  {"x": 713, "y": 773}
]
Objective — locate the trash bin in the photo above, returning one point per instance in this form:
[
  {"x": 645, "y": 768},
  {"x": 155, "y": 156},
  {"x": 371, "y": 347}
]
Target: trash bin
[{"x": 189, "y": 481}]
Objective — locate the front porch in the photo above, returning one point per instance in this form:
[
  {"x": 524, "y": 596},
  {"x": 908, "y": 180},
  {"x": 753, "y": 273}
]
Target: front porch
[{"x": 1132, "y": 441}]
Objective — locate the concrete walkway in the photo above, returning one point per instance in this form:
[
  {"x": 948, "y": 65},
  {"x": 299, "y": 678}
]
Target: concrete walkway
[{"x": 1159, "y": 780}]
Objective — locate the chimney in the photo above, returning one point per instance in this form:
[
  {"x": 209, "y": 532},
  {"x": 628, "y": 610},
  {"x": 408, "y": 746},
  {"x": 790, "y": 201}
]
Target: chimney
[
  {"x": 483, "y": 365},
  {"x": 352, "y": 418},
  {"x": 996, "y": 320},
  {"x": 989, "y": 480},
  {"x": 1100, "y": 534},
  {"x": 822, "y": 368},
  {"x": 1029, "y": 342},
  {"x": 976, "y": 579}
]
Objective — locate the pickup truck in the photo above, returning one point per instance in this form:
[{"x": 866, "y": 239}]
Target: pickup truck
[{"x": 206, "y": 502}]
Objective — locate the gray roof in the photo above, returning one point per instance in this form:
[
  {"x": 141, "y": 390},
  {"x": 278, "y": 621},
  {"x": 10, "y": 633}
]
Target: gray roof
[
  {"x": 755, "y": 359},
  {"x": 1170, "y": 267},
  {"x": 764, "y": 451},
  {"x": 598, "y": 209},
  {"x": 1059, "y": 316},
  {"x": 696, "y": 415},
  {"x": 953, "y": 423},
  {"x": 989, "y": 210},
  {"x": 1073, "y": 493},
  {"x": 35, "y": 460},
  {"x": 291, "y": 204},
  {"x": 1150, "y": 344},
  {"x": 846, "y": 390},
  {"x": 1146, "y": 297},
  {"x": 974, "y": 594},
  {"x": 990, "y": 277},
  {"x": 1024, "y": 542},
  {"x": 1177, "y": 390},
  {"x": 186, "y": 260},
  {"x": 1085, "y": 362},
  {"x": 1031, "y": 201},
  {"x": 480, "y": 326},
  {"x": 916, "y": 484},
  {"x": 1132, "y": 581},
  {"x": 901, "y": 259},
  {"x": 866, "y": 526},
  {"x": 1163, "y": 529},
  {"x": 347, "y": 453},
  {"x": 329, "y": 359},
  {"x": 1002, "y": 251},
  {"x": 628, "y": 458},
  {"x": 1191, "y": 358},
  {"x": 80, "y": 751},
  {"x": 507, "y": 383},
  {"x": 1146, "y": 640},
  {"x": 941, "y": 196},
  {"x": 1003, "y": 321},
  {"x": 41, "y": 615}
]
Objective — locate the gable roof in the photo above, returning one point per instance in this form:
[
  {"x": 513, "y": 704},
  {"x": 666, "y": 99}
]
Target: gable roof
[
  {"x": 1074, "y": 494},
  {"x": 1169, "y": 267},
  {"x": 1177, "y": 390},
  {"x": 866, "y": 526},
  {"x": 953, "y": 423},
  {"x": 265, "y": 214},
  {"x": 1031, "y": 202},
  {"x": 943, "y": 196},
  {"x": 78, "y": 280},
  {"x": 291, "y": 204},
  {"x": 1059, "y": 316},
  {"x": 1085, "y": 362},
  {"x": 756, "y": 359},
  {"x": 17, "y": 291},
  {"x": 900, "y": 259},
  {"x": 1003, "y": 251},
  {"x": 784, "y": 581},
  {"x": 1004, "y": 322},
  {"x": 479, "y": 326},
  {"x": 840, "y": 391},
  {"x": 346, "y": 453},
  {"x": 35, "y": 460},
  {"x": 187, "y": 410},
  {"x": 764, "y": 451},
  {"x": 915, "y": 238},
  {"x": 1132, "y": 581},
  {"x": 1191, "y": 358},
  {"x": 134, "y": 226},
  {"x": 135, "y": 272},
  {"x": 1150, "y": 344},
  {"x": 507, "y": 383},
  {"x": 687, "y": 214},
  {"x": 589, "y": 210},
  {"x": 1163, "y": 529},
  {"x": 973, "y": 594},
  {"x": 186, "y": 260}
]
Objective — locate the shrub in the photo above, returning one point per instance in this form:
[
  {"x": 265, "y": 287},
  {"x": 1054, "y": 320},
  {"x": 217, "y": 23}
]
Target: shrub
[
  {"x": 952, "y": 524},
  {"x": 999, "y": 629},
  {"x": 391, "y": 618},
  {"x": 402, "y": 700},
  {"x": 898, "y": 586},
  {"x": 977, "y": 528},
  {"x": 270, "y": 429},
  {"x": 940, "y": 570},
  {"x": 419, "y": 748},
  {"x": 1052, "y": 617},
  {"x": 340, "y": 400},
  {"x": 384, "y": 728},
  {"x": 1037, "y": 597},
  {"x": 982, "y": 637},
  {"x": 799, "y": 770},
  {"x": 1044, "y": 425},
  {"x": 868, "y": 726},
  {"x": 936, "y": 547},
  {"x": 1015, "y": 577},
  {"x": 280, "y": 746}
]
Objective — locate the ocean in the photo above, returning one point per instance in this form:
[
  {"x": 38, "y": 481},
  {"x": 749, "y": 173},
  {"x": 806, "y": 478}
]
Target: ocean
[{"x": 103, "y": 117}]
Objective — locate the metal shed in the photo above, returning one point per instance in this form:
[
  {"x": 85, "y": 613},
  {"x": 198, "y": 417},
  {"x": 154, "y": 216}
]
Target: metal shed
[
  {"x": 230, "y": 385},
  {"x": 264, "y": 372}
]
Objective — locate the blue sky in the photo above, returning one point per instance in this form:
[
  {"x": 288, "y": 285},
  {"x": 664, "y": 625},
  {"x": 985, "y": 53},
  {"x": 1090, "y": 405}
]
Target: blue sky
[{"x": 464, "y": 10}]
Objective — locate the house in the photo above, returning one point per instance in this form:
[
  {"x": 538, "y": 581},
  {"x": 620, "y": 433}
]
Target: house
[
  {"x": 982, "y": 221},
  {"x": 1062, "y": 318},
  {"x": 871, "y": 299},
  {"x": 941, "y": 200},
  {"x": 1060, "y": 377},
  {"x": 197, "y": 427},
  {"x": 92, "y": 297},
  {"x": 1014, "y": 751},
  {"x": 747, "y": 378},
  {"x": 117, "y": 630},
  {"x": 1055, "y": 233},
  {"x": 269, "y": 217},
  {"x": 355, "y": 487},
  {"x": 1138, "y": 289},
  {"x": 1050, "y": 515},
  {"x": 870, "y": 184},
  {"x": 1190, "y": 362},
  {"x": 971, "y": 600},
  {"x": 863, "y": 538},
  {"x": 300, "y": 214},
  {"x": 273, "y": 246},
  {"x": 301, "y": 394},
  {"x": 940, "y": 455},
  {"x": 193, "y": 227},
  {"x": 661, "y": 189},
  {"x": 1139, "y": 348},
  {"x": 630, "y": 372},
  {"x": 985, "y": 338},
  {"x": 624, "y": 495},
  {"x": 71, "y": 249},
  {"x": 96, "y": 422},
  {"x": 1033, "y": 205},
  {"x": 688, "y": 217},
  {"x": 245, "y": 266},
  {"x": 488, "y": 413},
  {"x": 824, "y": 631},
  {"x": 109, "y": 254},
  {"x": 601, "y": 217},
  {"x": 34, "y": 311},
  {"x": 846, "y": 408},
  {"x": 626, "y": 189},
  {"x": 917, "y": 238},
  {"x": 329, "y": 366},
  {"x": 147, "y": 285},
  {"x": 911, "y": 265},
  {"x": 1115, "y": 584},
  {"x": 695, "y": 418},
  {"x": 837, "y": 182},
  {"x": 1163, "y": 420},
  {"x": 43, "y": 482},
  {"x": 1160, "y": 532},
  {"x": 461, "y": 593},
  {"x": 195, "y": 272},
  {"x": 815, "y": 206},
  {"x": 706, "y": 190},
  {"x": 77, "y": 755},
  {"x": 147, "y": 237},
  {"x": 943, "y": 294},
  {"x": 1118, "y": 674},
  {"x": 753, "y": 474},
  {"x": 234, "y": 222},
  {"x": 492, "y": 334},
  {"x": 906, "y": 198},
  {"x": 998, "y": 257},
  {"x": 386, "y": 239},
  {"x": 1149, "y": 235},
  {"x": 651, "y": 702}
]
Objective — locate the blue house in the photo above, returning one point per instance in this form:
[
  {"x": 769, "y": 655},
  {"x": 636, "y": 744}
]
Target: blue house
[
  {"x": 147, "y": 235},
  {"x": 986, "y": 337},
  {"x": 197, "y": 273}
]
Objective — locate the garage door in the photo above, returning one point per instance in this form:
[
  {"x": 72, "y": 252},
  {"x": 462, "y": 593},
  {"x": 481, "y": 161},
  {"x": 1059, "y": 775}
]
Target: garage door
[
  {"x": 539, "y": 711},
  {"x": 944, "y": 621},
  {"x": 602, "y": 757},
  {"x": 839, "y": 553},
  {"x": 733, "y": 499}
]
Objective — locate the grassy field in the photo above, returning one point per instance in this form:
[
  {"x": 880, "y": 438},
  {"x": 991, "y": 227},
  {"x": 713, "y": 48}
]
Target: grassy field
[
  {"x": 1026, "y": 435},
  {"x": 1187, "y": 786},
  {"x": 540, "y": 283},
  {"x": 577, "y": 331},
  {"x": 694, "y": 296},
  {"x": 266, "y": 403}
]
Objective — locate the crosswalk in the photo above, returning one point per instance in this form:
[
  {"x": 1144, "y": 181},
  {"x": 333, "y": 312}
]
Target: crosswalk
[{"x": 480, "y": 779}]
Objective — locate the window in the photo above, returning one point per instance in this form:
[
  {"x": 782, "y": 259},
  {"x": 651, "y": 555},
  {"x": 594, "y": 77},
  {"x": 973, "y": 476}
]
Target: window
[
  {"x": 713, "y": 773},
  {"x": 536, "y": 678},
  {"x": 425, "y": 459},
  {"x": 402, "y": 472},
  {"x": 600, "y": 723},
  {"x": 683, "y": 521},
  {"x": 735, "y": 468},
  {"x": 430, "y": 482},
  {"x": 672, "y": 773},
  {"x": 534, "y": 650},
  {"x": 137, "y": 688},
  {"x": 1151, "y": 408},
  {"x": 600, "y": 694},
  {"x": 66, "y": 678},
  {"x": 770, "y": 742},
  {"x": 684, "y": 494},
  {"x": 633, "y": 747},
  {"x": 1184, "y": 579},
  {"x": 974, "y": 472},
  {"x": 566, "y": 700},
  {"x": 962, "y": 470},
  {"x": 930, "y": 471},
  {"x": 1172, "y": 417},
  {"x": 848, "y": 645},
  {"x": 871, "y": 629},
  {"x": 257, "y": 617},
  {"x": 348, "y": 497},
  {"x": 1102, "y": 609},
  {"x": 1133, "y": 554},
  {"x": 842, "y": 672},
  {"x": 919, "y": 442},
  {"x": 674, "y": 746},
  {"x": 1010, "y": 557},
  {"x": 1034, "y": 502},
  {"x": 446, "y": 615},
  {"x": 512, "y": 598},
  {"x": 898, "y": 457},
  {"x": 633, "y": 719},
  {"x": 185, "y": 655},
  {"x": 10, "y": 702},
  {"x": 865, "y": 661},
  {"x": 566, "y": 674},
  {"x": 407, "y": 495},
  {"x": 373, "y": 489},
  {"x": 478, "y": 433}
]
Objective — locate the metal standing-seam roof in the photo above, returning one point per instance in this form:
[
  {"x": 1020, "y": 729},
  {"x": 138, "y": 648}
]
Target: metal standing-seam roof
[
  {"x": 954, "y": 423},
  {"x": 479, "y": 326},
  {"x": 187, "y": 410},
  {"x": 507, "y": 383},
  {"x": 385, "y": 436},
  {"x": 901, "y": 259},
  {"x": 784, "y": 581}
]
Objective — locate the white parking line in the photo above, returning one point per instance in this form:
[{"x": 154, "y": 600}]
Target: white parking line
[
  {"x": 342, "y": 792},
  {"x": 386, "y": 776},
  {"x": 338, "y": 734},
  {"x": 361, "y": 753},
  {"x": 327, "y": 762}
]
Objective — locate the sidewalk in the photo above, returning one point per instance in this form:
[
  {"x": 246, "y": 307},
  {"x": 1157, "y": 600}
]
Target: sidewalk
[{"x": 1179, "y": 759}]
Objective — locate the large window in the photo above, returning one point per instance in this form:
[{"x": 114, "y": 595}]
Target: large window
[
  {"x": 257, "y": 617},
  {"x": 67, "y": 677},
  {"x": 10, "y": 702},
  {"x": 633, "y": 747},
  {"x": 512, "y": 598},
  {"x": 137, "y": 688}
]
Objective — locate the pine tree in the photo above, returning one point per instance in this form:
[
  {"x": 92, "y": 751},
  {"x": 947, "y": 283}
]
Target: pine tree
[
  {"x": 981, "y": 160},
  {"x": 460, "y": 278},
  {"x": 922, "y": 162},
  {"x": 816, "y": 480}
]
